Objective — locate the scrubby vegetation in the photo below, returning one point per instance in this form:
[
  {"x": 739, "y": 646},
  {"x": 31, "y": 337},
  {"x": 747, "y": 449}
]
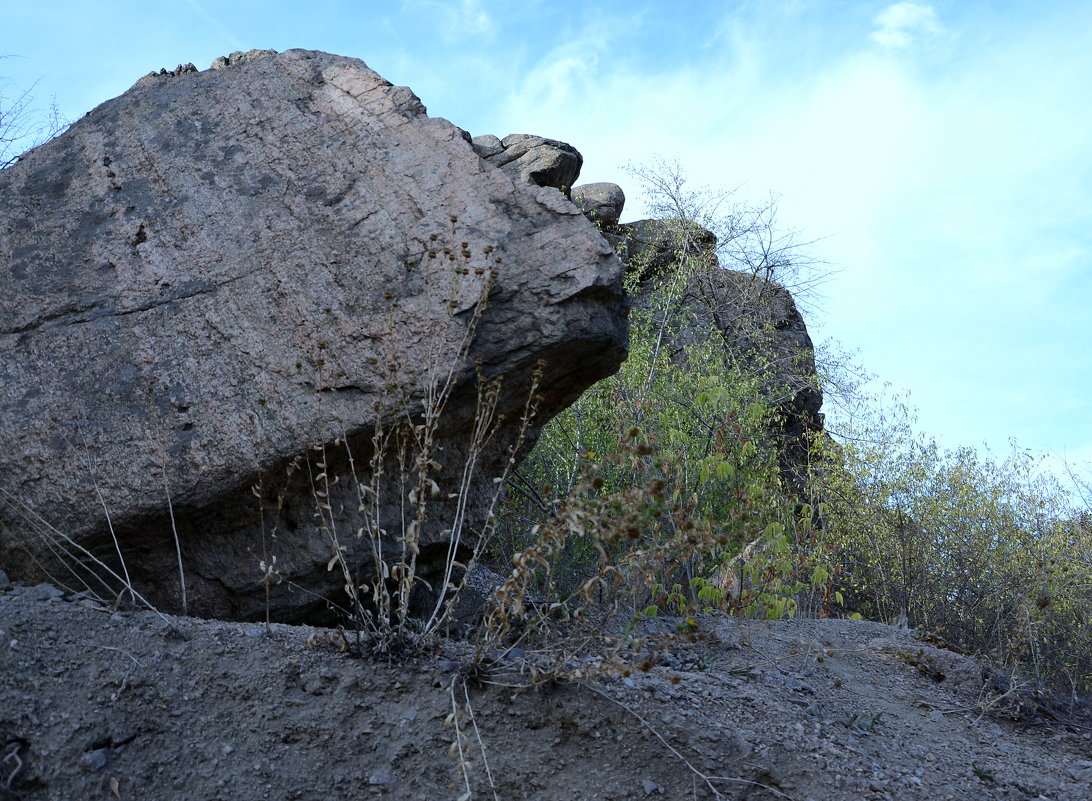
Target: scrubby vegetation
[
  {"x": 672, "y": 464},
  {"x": 694, "y": 431},
  {"x": 990, "y": 554}
]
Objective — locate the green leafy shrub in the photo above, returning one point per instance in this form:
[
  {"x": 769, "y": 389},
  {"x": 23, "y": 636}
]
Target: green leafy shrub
[
  {"x": 990, "y": 554},
  {"x": 693, "y": 416}
]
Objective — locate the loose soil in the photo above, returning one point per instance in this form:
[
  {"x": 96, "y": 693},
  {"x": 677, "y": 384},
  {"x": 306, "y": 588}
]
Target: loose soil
[{"x": 99, "y": 704}]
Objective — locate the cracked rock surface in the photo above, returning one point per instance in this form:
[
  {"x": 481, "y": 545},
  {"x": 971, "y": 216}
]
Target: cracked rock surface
[
  {"x": 533, "y": 159},
  {"x": 220, "y": 270}
]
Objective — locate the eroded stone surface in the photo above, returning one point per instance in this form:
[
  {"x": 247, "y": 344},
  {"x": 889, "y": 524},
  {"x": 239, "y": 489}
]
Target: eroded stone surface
[
  {"x": 602, "y": 202},
  {"x": 217, "y": 271},
  {"x": 533, "y": 159}
]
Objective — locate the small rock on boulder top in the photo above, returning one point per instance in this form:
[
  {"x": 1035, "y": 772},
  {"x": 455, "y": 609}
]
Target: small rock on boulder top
[
  {"x": 602, "y": 202},
  {"x": 211, "y": 275},
  {"x": 533, "y": 159}
]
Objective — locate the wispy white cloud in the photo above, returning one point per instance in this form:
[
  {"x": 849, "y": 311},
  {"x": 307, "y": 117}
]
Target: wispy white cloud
[
  {"x": 220, "y": 28},
  {"x": 900, "y": 24},
  {"x": 454, "y": 20},
  {"x": 950, "y": 183},
  {"x": 622, "y": 100}
]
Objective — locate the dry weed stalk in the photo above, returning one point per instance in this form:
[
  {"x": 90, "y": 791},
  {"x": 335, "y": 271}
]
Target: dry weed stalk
[
  {"x": 398, "y": 488},
  {"x": 70, "y": 554},
  {"x": 533, "y": 632},
  {"x": 460, "y": 747}
]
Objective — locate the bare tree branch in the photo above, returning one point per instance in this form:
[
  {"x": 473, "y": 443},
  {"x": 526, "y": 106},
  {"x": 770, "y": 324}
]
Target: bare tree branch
[{"x": 23, "y": 125}]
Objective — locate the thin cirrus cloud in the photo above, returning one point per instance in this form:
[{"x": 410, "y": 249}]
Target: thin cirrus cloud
[
  {"x": 454, "y": 20},
  {"x": 220, "y": 28},
  {"x": 943, "y": 165},
  {"x": 900, "y": 24}
]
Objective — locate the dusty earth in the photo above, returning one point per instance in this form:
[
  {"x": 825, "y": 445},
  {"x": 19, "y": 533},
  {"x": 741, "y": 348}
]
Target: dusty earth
[{"x": 101, "y": 704}]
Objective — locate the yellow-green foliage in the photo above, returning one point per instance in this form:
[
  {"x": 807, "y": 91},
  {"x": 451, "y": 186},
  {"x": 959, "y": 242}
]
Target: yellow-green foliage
[
  {"x": 695, "y": 424},
  {"x": 989, "y": 553}
]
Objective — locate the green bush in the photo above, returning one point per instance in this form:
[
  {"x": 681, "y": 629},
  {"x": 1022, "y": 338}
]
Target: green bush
[
  {"x": 687, "y": 414},
  {"x": 989, "y": 554},
  {"x": 660, "y": 487}
]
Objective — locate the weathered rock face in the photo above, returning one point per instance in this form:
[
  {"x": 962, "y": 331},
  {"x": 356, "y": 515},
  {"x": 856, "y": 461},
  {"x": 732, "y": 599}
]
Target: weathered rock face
[
  {"x": 213, "y": 274},
  {"x": 602, "y": 202},
  {"x": 532, "y": 159}
]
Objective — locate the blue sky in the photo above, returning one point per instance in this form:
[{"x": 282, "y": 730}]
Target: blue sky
[{"x": 940, "y": 152}]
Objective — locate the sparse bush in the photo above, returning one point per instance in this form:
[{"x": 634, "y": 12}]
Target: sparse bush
[
  {"x": 989, "y": 554},
  {"x": 690, "y": 412}
]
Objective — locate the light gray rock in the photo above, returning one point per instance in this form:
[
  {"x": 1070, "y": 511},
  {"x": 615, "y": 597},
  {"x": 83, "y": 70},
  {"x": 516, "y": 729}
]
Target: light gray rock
[
  {"x": 211, "y": 277},
  {"x": 239, "y": 57},
  {"x": 487, "y": 146},
  {"x": 94, "y": 761},
  {"x": 602, "y": 202},
  {"x": 533, "y": 159},
  {"x": 382, "y": 778},
  {"x": 44, "y": 592}
]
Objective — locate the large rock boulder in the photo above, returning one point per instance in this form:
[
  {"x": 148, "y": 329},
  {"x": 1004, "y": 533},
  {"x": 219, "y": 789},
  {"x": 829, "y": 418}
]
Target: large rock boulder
[{"x": 219, "y": 283}]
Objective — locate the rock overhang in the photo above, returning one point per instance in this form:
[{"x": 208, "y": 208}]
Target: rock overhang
[{"x": 208, "y": 271}]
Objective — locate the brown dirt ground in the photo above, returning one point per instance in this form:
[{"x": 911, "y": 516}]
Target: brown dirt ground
[{"x": 99, "y": 704}]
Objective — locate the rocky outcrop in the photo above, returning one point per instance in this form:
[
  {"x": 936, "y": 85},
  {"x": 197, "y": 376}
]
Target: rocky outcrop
[
  {"x": 602, "y": 202},
  {"x": 532, "y": 159},
  {"x": 651, "y": 248},
  {"x": 181, "y": 69},
  {"x": 239, "y": 57},
  {"x": 224, "y": 275},
  {"x": 766, "y": 334},
  {"x": 762, "y": 329},
  {"x": 219, "y": 63}
]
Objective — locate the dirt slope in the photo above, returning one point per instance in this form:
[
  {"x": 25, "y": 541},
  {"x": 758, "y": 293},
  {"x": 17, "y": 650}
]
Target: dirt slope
[{"x": 100, "y": 704}]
